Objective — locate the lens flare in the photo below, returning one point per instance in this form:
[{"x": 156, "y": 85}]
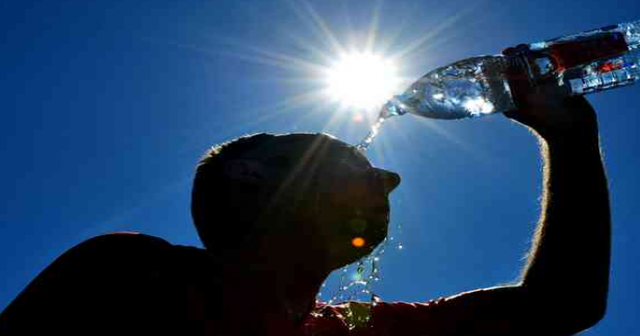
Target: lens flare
[{"x": 358, "y": 242}]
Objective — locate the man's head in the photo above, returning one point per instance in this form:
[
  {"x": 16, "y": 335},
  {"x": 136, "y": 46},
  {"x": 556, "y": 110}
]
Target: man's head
[{"x": 312, "y": 192}]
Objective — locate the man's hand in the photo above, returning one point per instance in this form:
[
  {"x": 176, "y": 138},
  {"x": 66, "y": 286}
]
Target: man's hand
[{"x": 552, "y": 114}]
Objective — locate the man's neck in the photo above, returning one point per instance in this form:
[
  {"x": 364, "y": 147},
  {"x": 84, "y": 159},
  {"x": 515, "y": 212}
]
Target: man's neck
[{"x": 287, "y": 286}]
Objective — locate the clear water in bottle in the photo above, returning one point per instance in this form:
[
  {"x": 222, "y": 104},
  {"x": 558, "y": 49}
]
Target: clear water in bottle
[
  {"x": 472, "y": 87},
  {"x": 583, "y": 63},
  {"x": 469, "y": 88}
]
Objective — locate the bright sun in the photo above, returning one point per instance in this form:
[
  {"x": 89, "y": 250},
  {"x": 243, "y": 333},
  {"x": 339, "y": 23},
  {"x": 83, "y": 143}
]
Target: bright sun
[{"x": 362, "y": 80}]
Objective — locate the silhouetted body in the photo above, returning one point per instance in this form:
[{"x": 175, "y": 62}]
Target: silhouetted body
[
  {"x": 277, "y": 214},
  {"x": 145, "y": 286}
]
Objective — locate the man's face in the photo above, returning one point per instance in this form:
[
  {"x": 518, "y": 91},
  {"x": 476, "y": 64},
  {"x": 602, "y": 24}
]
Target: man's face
[
  {"x": 352, "y": 214},
  {"x": 343, "y": 200}
]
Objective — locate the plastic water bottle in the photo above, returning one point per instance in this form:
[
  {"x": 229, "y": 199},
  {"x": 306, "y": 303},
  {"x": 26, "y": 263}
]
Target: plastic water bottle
[{"x": 583, "y": 63}]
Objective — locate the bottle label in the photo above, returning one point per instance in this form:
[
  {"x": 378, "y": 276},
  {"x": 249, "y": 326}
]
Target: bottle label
[{"x": 568, "y": 54}]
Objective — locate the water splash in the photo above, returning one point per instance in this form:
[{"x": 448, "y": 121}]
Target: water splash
[{"x": 356, "y": 288}]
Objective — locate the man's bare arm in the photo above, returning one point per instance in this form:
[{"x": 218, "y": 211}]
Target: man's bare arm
[
  {"x": 568, "y": 266},
  {"x": 563, "y": 288}
]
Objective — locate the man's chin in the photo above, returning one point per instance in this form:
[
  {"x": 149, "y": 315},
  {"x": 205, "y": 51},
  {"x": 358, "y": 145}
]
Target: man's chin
[{"x": 378, "y": 231}]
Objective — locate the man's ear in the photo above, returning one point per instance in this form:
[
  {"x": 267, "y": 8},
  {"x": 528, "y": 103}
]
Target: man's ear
[{"x": 245, "y": 170}]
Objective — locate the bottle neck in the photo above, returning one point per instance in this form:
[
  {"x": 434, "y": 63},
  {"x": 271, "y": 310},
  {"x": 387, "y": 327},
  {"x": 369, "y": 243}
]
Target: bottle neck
[
  {"x": 518, "y": 71},
  {"x": 527, "y": 69}
]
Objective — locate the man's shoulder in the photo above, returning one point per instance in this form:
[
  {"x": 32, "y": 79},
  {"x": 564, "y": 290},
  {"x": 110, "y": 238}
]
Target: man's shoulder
[
  {"x": 116, "y": 249},
  {"x": 113, "y": 281},
  {"x": 132, "y": 244},
  {"x": 135, "y": 252},
  {"x": 124, "y": 239}
]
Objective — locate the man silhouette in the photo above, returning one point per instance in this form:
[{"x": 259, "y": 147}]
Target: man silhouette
[{"x": 278, "y": 213}]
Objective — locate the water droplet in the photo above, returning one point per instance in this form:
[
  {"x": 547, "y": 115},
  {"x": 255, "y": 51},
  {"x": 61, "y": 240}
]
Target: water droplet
[{"x": 375, "y": 298}]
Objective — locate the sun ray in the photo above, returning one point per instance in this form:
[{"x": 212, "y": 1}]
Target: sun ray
[
  {"x": 318, "y": 25},
  {"x": 295, "y": 62},
  {"x": 381, "y": 145},
  {"x": 313, "y": 99},
  {"x": 349, "y": 23},
  {"x": 281, "y": 60},
  {"x": 335, "y": 118},
  {"x": 394, "y": 127},
  {"x": 289, "y": 106},
  {"x": 469, "y": 149},
  {"x": 286, "y": 109},
  {"x": 373, "y": 26},
  {"x": 303, "y": 164},
  {"x": 323, "y": 55},
  {"x": 233, "y": 48},
  {"x": 285, "y": 106},
  {"x": 438, "y": 31},
  {"x": 322, "y": 25}
]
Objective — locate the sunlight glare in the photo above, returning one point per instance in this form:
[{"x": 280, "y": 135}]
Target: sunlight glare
[{"x": 362, "y": 80}]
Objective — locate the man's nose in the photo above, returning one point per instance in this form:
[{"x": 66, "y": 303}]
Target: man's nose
[{"x": 390, "y": 180}]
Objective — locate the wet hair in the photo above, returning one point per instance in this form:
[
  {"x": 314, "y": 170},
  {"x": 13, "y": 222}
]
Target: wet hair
[{"x": 222, "y": 225}]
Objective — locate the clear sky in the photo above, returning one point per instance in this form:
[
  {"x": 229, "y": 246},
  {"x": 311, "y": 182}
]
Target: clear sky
[{"x": 106, "y": 106}]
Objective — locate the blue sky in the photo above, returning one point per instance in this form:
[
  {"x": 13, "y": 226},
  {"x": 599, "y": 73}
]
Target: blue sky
[{"x": 107, "y": 105}]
